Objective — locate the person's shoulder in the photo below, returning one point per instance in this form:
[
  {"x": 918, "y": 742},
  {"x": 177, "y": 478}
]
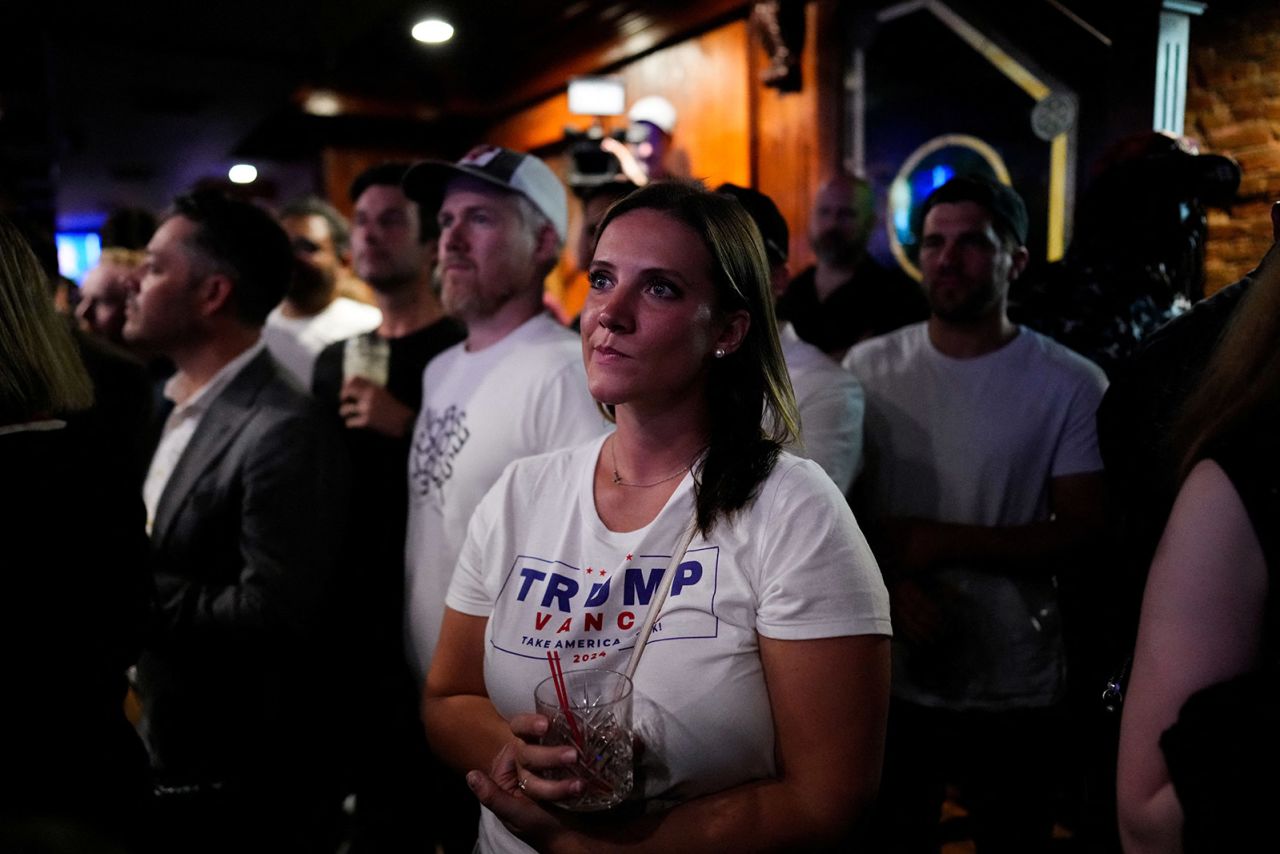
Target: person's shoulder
[
  {"x": 558, "y": 466},
  {"x": 326, "y": 373},
  {"x": 446, "y": 358},
  {"x": 799, "y": 480},
  {"x": 1052, "y": 356},
  {"x": 810, "y": 367},
  {"x": 1189, "y": 338},
  {"x": 417, "y": 349},
  {"x": 333, "y": 350},
  {"x": 273, "y": 393},
  {"x": 801, "y": 355},
  {"x": 793, "y": 468},
  {"x": 1209, "y": 313},
  {"x": 355, "y": 306},
  {"x": 441, "y": 334},
  {"x": 545, "y": 331},
  {"x": 356, "y": 311},
  {"x": 891, "y": 351},
  {"x": 547, "y": 351}
]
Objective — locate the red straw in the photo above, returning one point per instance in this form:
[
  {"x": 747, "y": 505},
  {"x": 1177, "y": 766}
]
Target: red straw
[{"x": 562, "y": 695}]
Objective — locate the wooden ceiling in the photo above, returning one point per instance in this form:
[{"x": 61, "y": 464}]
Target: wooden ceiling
[{"x": 142, "y": 98}]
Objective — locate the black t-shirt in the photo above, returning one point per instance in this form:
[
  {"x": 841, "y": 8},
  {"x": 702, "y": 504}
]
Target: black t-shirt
[
  {"x": 872, "y": 302},
  {"x": 373, "y": 576},
  {"x": 379, "y": 463},
  {"x": 409, "y": 356}
]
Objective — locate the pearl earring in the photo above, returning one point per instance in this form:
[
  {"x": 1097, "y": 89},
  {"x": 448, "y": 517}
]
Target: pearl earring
[{"x": 719, "y": 354}]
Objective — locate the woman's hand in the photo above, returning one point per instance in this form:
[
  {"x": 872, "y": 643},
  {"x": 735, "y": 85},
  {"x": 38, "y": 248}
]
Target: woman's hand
[
  {"x": 511, "y": 789},
  {"x": 519, "y": 765}
]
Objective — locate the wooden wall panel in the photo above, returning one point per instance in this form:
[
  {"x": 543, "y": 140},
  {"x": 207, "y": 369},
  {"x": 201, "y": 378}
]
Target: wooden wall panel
[
  {"x": 730, "y": 127},
  {"x": 537, "y": 127},
  {"x": 705, "y": 78}
]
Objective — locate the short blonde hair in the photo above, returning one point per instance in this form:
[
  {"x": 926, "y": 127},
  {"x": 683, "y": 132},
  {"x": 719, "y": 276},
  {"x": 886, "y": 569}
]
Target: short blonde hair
[
  {"x": 120, "y": 255},
  {"x": 40, "y": 369}
]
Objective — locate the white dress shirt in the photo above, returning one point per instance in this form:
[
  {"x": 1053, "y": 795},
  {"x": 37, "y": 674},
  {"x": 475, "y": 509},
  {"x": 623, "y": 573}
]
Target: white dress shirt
[{"x": 189, "y": 408}]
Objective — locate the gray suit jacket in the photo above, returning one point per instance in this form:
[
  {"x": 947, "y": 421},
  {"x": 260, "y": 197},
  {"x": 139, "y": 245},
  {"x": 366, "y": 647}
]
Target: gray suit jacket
[{"x": 246, "y": 543}]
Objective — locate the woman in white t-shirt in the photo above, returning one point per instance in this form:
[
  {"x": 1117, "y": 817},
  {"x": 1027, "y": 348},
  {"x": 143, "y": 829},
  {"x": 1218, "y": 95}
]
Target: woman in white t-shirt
[{"x": 760, "y": 699}]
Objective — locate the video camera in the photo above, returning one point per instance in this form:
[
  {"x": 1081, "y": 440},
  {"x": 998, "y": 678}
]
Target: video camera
[{"x": 589, "y": 164}]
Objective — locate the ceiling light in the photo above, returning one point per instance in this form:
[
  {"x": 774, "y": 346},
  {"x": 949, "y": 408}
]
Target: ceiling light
[
  {"x": 322, "y": 103},
  {"x": 432, "y": 31},
  {"x": 242, "y": 173}
]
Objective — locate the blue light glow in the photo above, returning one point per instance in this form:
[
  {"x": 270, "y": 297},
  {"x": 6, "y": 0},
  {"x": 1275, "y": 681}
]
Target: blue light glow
[{"x": 78, "y": 253}]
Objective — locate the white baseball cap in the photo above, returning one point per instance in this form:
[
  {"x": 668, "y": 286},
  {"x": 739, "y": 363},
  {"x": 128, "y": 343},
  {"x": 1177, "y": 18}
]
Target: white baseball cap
[{"x": 656, "y": 110}]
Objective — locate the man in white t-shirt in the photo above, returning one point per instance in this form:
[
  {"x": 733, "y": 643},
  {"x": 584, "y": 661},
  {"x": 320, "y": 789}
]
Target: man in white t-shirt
[
  {"x": 312, "y": 315},
  {"x": 516, "y": 386},
  {"x": 983, "y": 481},
  {"x": 829, "y": 399}
]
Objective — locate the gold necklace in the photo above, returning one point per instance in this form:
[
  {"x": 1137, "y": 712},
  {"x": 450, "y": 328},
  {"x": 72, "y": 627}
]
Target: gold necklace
[{"x": 617, "y": 478}]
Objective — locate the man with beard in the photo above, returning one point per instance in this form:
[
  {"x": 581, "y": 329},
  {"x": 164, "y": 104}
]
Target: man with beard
[
  {"x": 983, "y": 482},
  {"x": 847, "y": 296},
  {"x": 312, "y": 315},
  {"x": 373, "y": 382},
  {"x": 516, "y": 387},
  {"x": 246, "y": 505}
]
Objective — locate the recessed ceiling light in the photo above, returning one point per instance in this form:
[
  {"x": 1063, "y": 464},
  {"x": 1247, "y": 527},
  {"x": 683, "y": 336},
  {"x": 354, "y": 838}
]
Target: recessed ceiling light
[
  {"x": 242, "y": 173},
  {"x": 432, "y": 31}
]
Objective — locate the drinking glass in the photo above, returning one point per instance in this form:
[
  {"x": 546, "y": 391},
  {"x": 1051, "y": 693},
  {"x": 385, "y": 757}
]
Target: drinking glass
[
  {"x": 368, "y": 356},
  {"x": 596, "y": 723}
]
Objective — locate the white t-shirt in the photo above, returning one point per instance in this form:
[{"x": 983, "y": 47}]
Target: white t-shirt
[
  {"x": 977, "y": 442},
  {"x": 831, "y": 404},
  {"x": 550, "y": 576},
  {"x": 526, "y": 394},
  {"x": 296, "y": 341}
]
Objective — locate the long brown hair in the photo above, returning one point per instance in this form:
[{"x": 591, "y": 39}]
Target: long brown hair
[
  {"x": 40, "y": 369},
  {"x": 753, "y": 409}
]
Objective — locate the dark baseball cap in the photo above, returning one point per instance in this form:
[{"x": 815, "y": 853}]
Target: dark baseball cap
[
  {"x": 1001, "y": 200},
  {"x": 764, "y": 213}
]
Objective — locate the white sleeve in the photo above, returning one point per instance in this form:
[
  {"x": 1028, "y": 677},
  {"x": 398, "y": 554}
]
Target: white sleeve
[
  {"x": 1077, "y": 451},
  {"x": 472, "y": 590},
  {"x": 831, "y": 429},
  {"x": 815, "y": 575}
]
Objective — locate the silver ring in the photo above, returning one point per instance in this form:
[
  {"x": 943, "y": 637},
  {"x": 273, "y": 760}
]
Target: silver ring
[{"x": 524, "y": 781}]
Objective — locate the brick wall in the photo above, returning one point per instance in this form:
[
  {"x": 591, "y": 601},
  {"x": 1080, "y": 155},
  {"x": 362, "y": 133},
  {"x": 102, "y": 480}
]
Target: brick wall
[{"x": 1233, "y": 107}]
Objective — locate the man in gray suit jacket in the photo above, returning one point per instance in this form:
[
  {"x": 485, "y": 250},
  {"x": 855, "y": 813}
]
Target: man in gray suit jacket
[{"x": 245, "y": 504}]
